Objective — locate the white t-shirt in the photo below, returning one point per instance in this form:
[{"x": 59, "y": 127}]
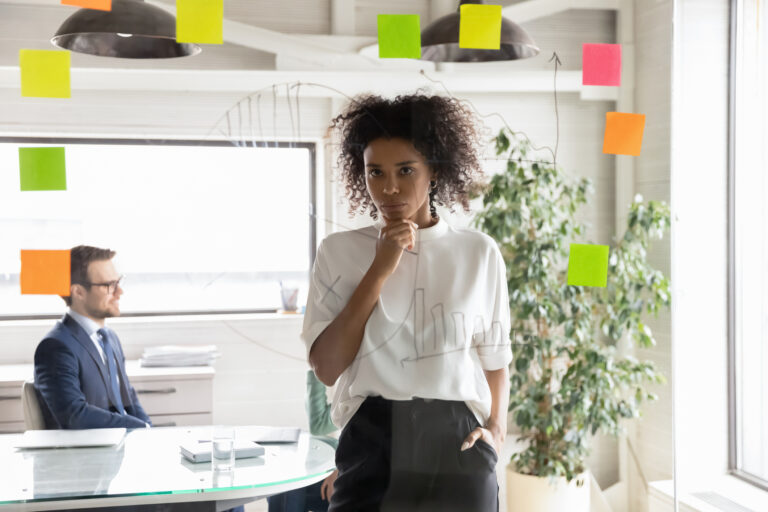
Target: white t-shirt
[{"x": 441, "y": 319}]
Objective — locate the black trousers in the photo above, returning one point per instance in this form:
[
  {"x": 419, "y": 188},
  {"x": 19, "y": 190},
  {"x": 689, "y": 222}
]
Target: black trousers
[{"x": 406, "y": 456}]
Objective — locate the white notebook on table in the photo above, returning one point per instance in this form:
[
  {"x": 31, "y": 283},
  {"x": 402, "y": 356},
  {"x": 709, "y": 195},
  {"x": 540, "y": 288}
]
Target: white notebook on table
[
  {"x": 70, "y": 438},
  {"x": 200, "y": 451}
]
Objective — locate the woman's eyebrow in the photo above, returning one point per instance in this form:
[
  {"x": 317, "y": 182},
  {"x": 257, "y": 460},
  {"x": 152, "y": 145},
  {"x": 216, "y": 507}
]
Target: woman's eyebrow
[{"x": 397, "y": 164}]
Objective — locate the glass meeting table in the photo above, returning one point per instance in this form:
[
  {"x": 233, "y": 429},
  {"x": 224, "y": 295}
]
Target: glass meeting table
[{"x": 147, "y": 469}]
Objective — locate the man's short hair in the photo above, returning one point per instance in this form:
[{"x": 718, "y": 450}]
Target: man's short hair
[{"x": 80, "y": 257}]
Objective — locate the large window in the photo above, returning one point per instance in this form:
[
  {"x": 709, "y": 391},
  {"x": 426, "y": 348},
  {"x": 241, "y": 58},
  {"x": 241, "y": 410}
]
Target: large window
[
  {"x": 198, "y": 227},
  {"x": 749, "y": 243}
]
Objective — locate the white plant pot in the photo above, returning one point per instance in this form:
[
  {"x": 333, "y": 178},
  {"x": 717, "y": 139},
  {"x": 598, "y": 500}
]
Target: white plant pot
[{"x": 527, "y": 493}]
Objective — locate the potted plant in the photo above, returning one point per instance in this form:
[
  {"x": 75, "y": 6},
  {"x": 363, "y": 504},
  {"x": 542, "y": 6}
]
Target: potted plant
[{"x": 570, "y": 376}]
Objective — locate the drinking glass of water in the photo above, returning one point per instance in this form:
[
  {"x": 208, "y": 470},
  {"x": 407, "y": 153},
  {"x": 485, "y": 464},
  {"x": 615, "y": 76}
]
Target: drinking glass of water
[{"x": 223, "y": 448}]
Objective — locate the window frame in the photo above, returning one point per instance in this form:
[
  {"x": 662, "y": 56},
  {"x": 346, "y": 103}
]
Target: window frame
[
  {"x": 734, "y": 347},
  {"x": 312, "y": 151}
]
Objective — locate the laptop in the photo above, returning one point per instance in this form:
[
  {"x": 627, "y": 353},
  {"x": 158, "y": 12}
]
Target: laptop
[
  {"x": 87, "y": 438},
  {"x": 269, "y": 434}
]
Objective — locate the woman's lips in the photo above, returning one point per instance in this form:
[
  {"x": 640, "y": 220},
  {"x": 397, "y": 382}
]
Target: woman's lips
[{"x": 394, "y": 206}]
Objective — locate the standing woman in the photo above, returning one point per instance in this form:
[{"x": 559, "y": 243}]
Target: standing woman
[{"x": 411, "y": 316}]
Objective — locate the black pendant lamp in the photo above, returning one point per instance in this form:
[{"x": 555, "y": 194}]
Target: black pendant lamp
[
  {"x": 440, "y": 41},
  {"x": 133, "y": 29}
]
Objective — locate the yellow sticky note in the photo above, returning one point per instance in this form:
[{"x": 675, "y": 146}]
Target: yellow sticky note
[
  {"x": 45, "y": 73},
  {"x": 480, "y": 26},
  {"x": 200, "y": 21}
]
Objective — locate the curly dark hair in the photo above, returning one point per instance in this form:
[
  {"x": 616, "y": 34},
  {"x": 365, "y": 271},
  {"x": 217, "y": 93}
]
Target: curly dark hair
[{"x": 441, "y": 128}]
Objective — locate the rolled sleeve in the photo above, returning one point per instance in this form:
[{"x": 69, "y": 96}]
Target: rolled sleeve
[
  {"x": 493, "y": 346},
  {"x": 323, "y": 300}
]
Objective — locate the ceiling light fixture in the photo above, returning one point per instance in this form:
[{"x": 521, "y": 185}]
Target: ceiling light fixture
[
  {"x": 133, "y": 29},
  {"x": 440, "y": 41}
]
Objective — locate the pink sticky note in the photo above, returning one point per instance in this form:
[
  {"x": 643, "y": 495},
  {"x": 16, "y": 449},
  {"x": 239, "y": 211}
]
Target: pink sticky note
[{"x": 601, "y": 64}]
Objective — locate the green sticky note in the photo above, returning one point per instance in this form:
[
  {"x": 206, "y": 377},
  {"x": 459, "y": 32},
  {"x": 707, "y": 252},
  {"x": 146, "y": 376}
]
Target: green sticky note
[
  {"x": 42, "y": 169},
  {"x": 45, "y": 73},
  {"x": 200, "y": 21},
  {"x": 399, "y": 36},
  {"x": 588, "y": 265},
  {"x": 480, "y": 26}
]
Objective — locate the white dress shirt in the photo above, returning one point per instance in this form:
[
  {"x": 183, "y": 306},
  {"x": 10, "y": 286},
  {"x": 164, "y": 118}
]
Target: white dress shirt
[{"x": 91, "y": 328}]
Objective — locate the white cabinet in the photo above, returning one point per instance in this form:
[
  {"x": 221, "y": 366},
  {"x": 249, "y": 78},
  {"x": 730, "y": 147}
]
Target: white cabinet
[
  {"x": 174, "y": 396},
  {"x": 171, "y": 396}
]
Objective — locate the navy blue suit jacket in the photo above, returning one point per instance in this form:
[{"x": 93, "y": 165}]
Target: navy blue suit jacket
[{"x": 71, "y": 380}]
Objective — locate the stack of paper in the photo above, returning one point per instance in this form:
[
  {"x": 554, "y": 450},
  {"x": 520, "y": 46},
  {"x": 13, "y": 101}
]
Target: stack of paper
[
  {"x": 175, "y": 355},
  {"x": 70, "y": 438}
]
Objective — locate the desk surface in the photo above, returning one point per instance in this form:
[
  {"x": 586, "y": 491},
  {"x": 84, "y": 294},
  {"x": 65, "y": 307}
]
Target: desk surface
[
  {"x": 148, "y": 468},
  {"x": 14, "y": 375}
]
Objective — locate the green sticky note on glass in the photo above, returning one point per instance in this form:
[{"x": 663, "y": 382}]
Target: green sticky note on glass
[
  {"x": 42, "y": 169},
  {"x": 399, "y": 36},
  {"x": 480, "y": 26},
  {"x": 45, "y": 73},
  {"x": 588, "y": 265},
  {"x": 200, "y": 21}
]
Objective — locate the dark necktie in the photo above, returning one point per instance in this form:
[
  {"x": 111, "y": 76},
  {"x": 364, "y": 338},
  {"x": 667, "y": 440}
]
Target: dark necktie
[{"x": 109, "y": 355}]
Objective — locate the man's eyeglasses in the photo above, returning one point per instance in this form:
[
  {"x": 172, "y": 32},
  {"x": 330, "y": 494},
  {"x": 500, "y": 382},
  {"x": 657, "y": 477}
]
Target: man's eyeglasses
[{"x": 111, "y": 285}]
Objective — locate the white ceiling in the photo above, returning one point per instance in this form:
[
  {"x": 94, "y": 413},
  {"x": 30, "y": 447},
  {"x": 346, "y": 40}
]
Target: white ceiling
[
  {"x": 300, "y": 32},
  {"x": 31, "y": 23}
]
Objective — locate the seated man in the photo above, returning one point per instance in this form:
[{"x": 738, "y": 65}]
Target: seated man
[{"x": 79, "y": 366}]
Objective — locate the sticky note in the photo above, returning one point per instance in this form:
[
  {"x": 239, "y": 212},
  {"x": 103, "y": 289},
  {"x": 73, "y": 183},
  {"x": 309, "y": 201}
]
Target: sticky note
[
  {"x": 45, "y": 272},
  {"x": 101, "y": 5},
  {"x": 601, "y": 64},
  {"x": 623, "y": 133},
  {"x": 399, "y": 36},
  {"x": 200, "y": 21},
  {"x": 480, "y": 26},
  {"x": 42, "y": 169},
  {"x": 45, "y": 73},
  {"x": 588, "y": 265}
]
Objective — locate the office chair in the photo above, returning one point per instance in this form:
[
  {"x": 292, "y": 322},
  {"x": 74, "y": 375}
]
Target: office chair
[{"x": 33, "y": 415}]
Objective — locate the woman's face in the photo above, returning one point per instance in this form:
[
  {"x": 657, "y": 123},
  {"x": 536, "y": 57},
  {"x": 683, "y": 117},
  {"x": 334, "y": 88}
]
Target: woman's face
[{"x": 397, "y": 177}]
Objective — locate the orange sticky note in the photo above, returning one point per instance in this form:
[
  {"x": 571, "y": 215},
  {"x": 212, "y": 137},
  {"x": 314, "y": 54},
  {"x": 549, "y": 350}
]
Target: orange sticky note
[
  {"x": 101, "y": 5},
  {"x": 623, "y": 133},
  {"x": 45, "y": 272}
]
